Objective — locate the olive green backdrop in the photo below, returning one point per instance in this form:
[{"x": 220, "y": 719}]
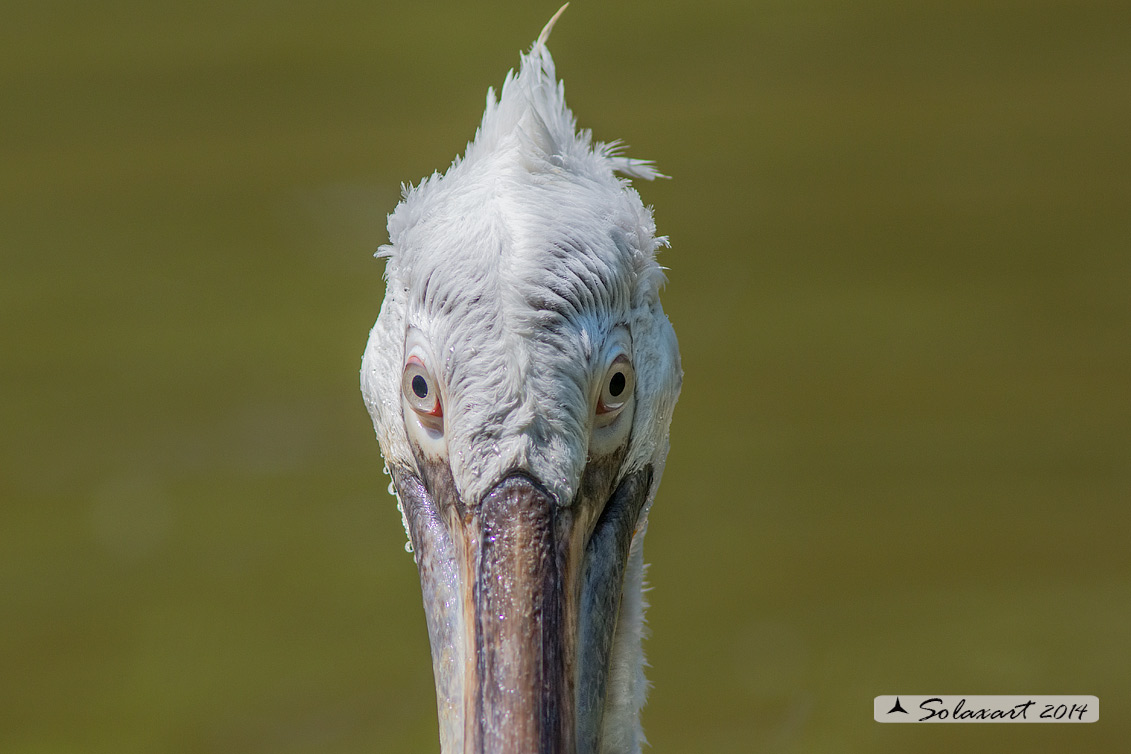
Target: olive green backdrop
[{"x": 900, "y": 272}]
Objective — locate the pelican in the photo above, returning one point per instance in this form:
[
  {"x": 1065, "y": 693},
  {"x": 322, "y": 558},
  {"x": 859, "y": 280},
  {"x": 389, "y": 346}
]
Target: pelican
[{"x": 521, "y": 377}]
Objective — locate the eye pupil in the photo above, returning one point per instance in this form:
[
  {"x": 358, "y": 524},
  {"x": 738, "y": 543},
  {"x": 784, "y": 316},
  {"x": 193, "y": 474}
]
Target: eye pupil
[
  {"x": 420, "y": 386},
  {"x": 616, "y": 384}
]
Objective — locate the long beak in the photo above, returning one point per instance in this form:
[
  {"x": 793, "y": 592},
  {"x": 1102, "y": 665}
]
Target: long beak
[{"x": 521, "y": 596}]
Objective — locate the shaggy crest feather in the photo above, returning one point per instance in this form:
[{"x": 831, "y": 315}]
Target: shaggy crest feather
[{"x": 530, "y": 123}]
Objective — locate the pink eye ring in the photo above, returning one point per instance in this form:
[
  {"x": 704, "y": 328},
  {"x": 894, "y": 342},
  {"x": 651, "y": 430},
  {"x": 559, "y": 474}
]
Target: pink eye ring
[
  {"x": 420, "y": 389},
  {"x": 616, "y": 386}
]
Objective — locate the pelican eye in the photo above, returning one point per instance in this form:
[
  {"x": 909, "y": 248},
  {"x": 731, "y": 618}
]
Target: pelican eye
[
  {"x": 616, "y": 387},
  {"x": 420, "y": 391}
]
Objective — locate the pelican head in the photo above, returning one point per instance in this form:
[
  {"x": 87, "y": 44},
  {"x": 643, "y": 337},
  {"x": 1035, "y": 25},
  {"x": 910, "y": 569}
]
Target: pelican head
[{"x": 521, "y": 377}]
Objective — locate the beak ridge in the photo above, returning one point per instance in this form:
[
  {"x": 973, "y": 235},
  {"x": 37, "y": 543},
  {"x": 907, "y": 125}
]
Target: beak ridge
[{"x": 523, "y": 690}]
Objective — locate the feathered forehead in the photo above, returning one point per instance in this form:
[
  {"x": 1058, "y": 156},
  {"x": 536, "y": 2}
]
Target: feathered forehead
[{"x": 532, "y": 194}]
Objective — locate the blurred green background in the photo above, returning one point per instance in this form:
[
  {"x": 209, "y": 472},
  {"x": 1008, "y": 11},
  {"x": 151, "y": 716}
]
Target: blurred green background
[{"x": 900, "y": 268}]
